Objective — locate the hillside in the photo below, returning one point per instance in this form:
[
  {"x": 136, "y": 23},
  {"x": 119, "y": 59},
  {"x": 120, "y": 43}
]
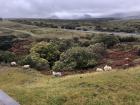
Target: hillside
[{"x": 107, "y": 88}]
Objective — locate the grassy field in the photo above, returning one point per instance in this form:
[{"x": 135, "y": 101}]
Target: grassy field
[
  {"x": 107, "y": 88},
  {"x": 17, "y": 29},
  {"x": 58, "y": 33},
  {"x": 20, "y": 30},
  {"x": 30, "y": 87}
]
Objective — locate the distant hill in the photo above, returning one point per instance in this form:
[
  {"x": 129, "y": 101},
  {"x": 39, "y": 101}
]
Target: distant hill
[
  {"x": 118, "y": 15},
  {"x": 128, "y": 15}
]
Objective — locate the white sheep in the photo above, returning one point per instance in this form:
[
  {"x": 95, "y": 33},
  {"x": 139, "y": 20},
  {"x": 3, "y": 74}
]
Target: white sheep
[
  {"x": 13, "y": 64},
  {"x": 57, "y": 74},
  {"x": 107, "y": 68},
  {"x": 99, "y": 70},
  {"x": 127, "y": 58},
  {"x": 26, "y": 66},
  {"x": 126, "y": 65}
]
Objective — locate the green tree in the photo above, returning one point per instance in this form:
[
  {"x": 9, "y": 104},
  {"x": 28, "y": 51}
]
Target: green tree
[
  {"x": 108, "y": 40},
  {"x": 47, "y": 51}
]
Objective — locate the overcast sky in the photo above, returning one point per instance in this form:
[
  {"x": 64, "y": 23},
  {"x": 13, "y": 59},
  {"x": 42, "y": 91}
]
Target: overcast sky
[{"x": 65, "y": 8}]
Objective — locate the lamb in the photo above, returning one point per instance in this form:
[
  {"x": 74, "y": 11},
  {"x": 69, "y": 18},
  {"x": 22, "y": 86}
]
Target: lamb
[
  {"x": 13, "y": 64},
  {"x": 26, "y": 66},
  {"x": 99, "y": 70},
  {"x": 107, "y": 68},
  {"x": 57, "y": 74}
]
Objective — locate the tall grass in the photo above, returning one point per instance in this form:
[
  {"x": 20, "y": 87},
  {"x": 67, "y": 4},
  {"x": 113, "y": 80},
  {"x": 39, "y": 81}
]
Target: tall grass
[{"x": 108, "y": 88}]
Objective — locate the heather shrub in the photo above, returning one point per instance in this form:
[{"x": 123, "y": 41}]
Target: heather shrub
[
  {"x": 47, "y": 51},
  {"x": 36, "y": 62},
  {"x": 76, "y": 58},
  {"x": 128, "y": 39},
  {"x": 7, "y": 57},
  {"x": 108, "y": 40}
]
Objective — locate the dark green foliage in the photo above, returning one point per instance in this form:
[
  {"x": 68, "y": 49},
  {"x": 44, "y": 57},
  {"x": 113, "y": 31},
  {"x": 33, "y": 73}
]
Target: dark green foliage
[
  {"x": 36, "y": 62},
  {"x": 79, "y": 58},
  {"x": 42, "y": 56},
  {"x": 75, "y": 58},
  {"x": 68, "y": 27},
  {"x": 59, "y": 65},
  {"x": 6, "y": 56},
  {"x": 128, "y": 39},
  {"x": 98, "y": 48},
  {"x": 65, "y": 44},
  {"x": 48, "y": 51},
  {"x": 6, "y": 41},
  {"x": 108, "y": 40},
  {"x": 84, "y": 43}
]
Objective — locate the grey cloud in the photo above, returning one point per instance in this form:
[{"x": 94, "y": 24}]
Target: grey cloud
[{"x": 65, "y": 8}]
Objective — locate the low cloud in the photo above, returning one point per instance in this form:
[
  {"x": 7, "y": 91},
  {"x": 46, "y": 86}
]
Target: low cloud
[{"x": 65, "y": 8}]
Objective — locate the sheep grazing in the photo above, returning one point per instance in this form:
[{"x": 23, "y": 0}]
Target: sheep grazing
[
  {"x": 13, "y": 64},
  {"x": 107, "y": 68},
  {"x": 127, "y": 58},
  {"x": 26, "y": 66},
  {"x": 99, "y": 70},
  {"x": 126, "y": 65},
  {"x": 57, "y": 74}
]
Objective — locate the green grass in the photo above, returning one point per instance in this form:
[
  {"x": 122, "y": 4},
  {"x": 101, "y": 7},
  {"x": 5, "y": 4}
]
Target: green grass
[
  {"x": 58, "y": 33},
  {"x": 17, "y": 29},
  {"x": 108, "y": 88}
]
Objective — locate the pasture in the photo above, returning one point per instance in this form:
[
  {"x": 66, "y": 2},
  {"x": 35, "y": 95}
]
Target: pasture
[
  {"x": 74, "y": 48},
  {"x": 120, "y": 87}
]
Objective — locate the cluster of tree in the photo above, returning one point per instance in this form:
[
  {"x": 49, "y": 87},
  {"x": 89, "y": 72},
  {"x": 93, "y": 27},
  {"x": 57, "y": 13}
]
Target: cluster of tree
[
  {"x": 127, "y": 26},
  {"x": 116, "y": 29},
  {"x": 69, "y": 54},
  {"x": 64, "y": 54}
]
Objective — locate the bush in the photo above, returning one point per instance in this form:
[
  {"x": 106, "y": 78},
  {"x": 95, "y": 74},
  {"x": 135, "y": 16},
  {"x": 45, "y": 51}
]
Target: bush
[
  {"x": 36, "y": 62},
  {"x": 128, "y": 39},
  {"x": 42, "y": 56},
  {"x": 47, "y": 51},
  {"x": 124, "y": 46},
  {"x": 98, "y": 48},
  {"x": 108, "y": 40},
  {"x": 65, "y": 44},
  {"x": 84, "y": 42},
  {"x": 6, "y": 41},
  {"x": 76, "y": 58},
  {"x": 59, "y": 66},
  {"x": 6, "y": 56}
]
